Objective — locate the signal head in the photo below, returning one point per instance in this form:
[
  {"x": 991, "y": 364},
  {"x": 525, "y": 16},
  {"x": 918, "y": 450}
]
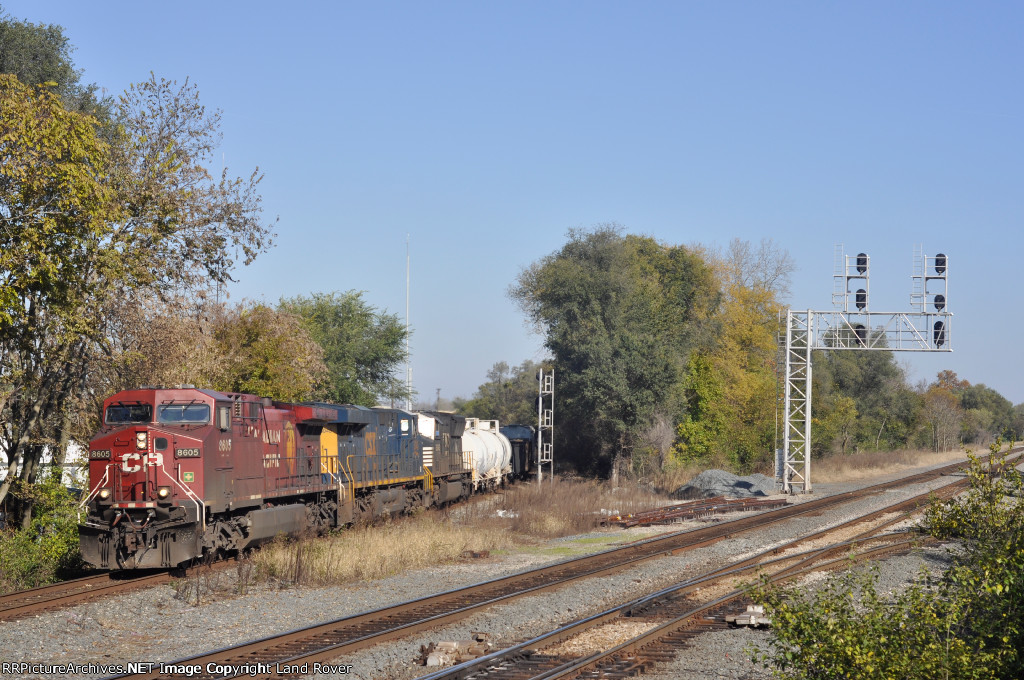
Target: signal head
[{"x": 862, "y": 263}]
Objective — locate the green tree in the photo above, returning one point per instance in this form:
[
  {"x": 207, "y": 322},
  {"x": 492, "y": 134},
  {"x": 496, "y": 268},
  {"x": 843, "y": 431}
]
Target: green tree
[
  {"x": 56, "y": 209},
  {"x": 509, "y": 395},
  {"x": 1017, "y": 423},
  {"x": 37, "y": 54},
  {"x": 362, "y": 347},
  {"x": 887, "y": 410},
  {"x": 988, "y": 414},
  {"x": 267, "y": 352},
  {"x": 835, "y": 429},
  {"x": 619, "y": 315},
  {"x": 92, "y": 226}
]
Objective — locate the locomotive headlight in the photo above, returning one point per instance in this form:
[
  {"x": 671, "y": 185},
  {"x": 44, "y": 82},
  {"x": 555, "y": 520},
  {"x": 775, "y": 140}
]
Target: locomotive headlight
[
  {"x": 163, "y": 493},
  {"x": 140, "y": 440},
  {"x": 104, "y": 494}
]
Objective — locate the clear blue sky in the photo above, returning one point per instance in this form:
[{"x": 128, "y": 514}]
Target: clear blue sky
[{"x": 486, "y": 129}]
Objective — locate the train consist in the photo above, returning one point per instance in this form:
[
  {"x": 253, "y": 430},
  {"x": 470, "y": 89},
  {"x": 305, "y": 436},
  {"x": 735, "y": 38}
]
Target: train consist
[{"x": 179, "y": 474}]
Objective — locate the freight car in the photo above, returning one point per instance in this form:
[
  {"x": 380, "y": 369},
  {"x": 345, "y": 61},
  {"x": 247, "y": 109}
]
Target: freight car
[
  {"x": 523, "y": 439},
  {"x": 490, "y": 453},
  {"x": 178, "y": 474}
]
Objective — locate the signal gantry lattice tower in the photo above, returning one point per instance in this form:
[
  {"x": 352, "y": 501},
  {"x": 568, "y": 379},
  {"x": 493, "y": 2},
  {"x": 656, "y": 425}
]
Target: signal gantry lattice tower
[
  {"x": 545, "y": 423},
  {"x": 854, "y": 327}
]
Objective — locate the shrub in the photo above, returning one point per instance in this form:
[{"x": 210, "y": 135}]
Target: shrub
[
  {"x": 966, "y": 624},
  {"x": 47, "y": 550}
]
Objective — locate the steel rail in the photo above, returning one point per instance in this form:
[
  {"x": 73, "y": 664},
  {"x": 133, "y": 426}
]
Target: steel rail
[
  {"x": 517, "y": 661},
  {"x": 56, "y": 595},
  {"x": 328, "y": 640},
  {"x": 526, "y": 652}
]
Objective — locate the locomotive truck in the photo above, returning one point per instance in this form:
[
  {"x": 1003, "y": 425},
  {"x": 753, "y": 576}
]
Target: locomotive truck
[{"x": 176, "y": 474}]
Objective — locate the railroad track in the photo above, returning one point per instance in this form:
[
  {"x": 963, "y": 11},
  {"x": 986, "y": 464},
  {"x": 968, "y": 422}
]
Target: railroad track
[
  {"x": 693, "y": 510},
  {"x": 673, "y": 617},
  {"x": 57, "y": 595},
  {"x": 325, "y": 641}
]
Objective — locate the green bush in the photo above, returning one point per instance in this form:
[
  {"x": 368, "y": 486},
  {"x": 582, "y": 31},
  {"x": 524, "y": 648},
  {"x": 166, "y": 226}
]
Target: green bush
[
  {"x": 966, "y": 624},
  {"x": 47, "y": 551}
]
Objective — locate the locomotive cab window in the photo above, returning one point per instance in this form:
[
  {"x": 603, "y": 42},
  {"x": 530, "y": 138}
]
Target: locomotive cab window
[
  {"x": 192, "y": 414},
  {"x": 405, "y": 426},
  {"x": 129, "y": 413}
]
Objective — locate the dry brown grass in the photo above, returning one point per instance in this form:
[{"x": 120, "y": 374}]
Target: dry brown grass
[
  {"x": 671, "y": 478},
  {"x": 838, "y": 468},
  {"x": 519, "y": 515},
  {"x": 374, "y": 552},
  {"x": 562, "y": 507}
]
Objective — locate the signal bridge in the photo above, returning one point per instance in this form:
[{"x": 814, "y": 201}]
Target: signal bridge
[{"x": 927, "y": 328}]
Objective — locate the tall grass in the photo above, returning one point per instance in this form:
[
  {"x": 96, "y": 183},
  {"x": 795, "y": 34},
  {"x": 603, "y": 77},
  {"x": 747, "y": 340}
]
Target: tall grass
[
  {"x": 374, "y": 552},
  {"x": 562, "y": 507},
  {"x": 842, "y": 468},
  {"x": 517, "y": 516}
]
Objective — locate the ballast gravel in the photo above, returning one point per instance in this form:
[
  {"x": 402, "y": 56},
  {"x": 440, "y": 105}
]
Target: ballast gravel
[{"x": 158, "y": 625}]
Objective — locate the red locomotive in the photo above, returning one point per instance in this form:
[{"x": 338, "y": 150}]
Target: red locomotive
[{"x": 177, "y": 474}]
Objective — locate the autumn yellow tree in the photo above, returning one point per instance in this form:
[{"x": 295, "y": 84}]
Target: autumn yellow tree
[
  {"x": 247, "y": 347},
  {"x": 731, "y": 385},
  {"x": 96, "y": 217}
]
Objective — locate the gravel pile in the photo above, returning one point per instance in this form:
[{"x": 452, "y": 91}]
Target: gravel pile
[
  {"x": 711, "y": 483},
  {"x": 159, "y": 625}
]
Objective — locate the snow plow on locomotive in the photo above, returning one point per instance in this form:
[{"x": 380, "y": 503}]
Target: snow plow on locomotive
[{"x": 178, "y": 474}]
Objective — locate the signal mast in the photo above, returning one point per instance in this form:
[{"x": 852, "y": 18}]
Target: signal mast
[{"x": 927, "y": 328}]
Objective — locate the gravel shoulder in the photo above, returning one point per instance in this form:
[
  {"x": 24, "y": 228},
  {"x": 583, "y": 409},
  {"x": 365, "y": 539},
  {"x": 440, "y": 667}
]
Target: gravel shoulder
[{"x": 157, "y": 625}]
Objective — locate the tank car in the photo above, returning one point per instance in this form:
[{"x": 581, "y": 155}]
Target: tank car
[
  {"x": 488, "y": 452},
  {"x": 177, "y": 474}
]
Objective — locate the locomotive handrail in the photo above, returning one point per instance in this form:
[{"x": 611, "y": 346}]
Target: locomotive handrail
[
  {"x": 95, "y": 490},
  {"x": 200, "y": 505},
  {"x": 428, "y": 481},
  {"x": 325, "y": 469},
  {"x": 347, "y": 467}
]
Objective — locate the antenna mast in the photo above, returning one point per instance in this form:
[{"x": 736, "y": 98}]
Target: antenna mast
[{"x": 408, "y": 355}]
